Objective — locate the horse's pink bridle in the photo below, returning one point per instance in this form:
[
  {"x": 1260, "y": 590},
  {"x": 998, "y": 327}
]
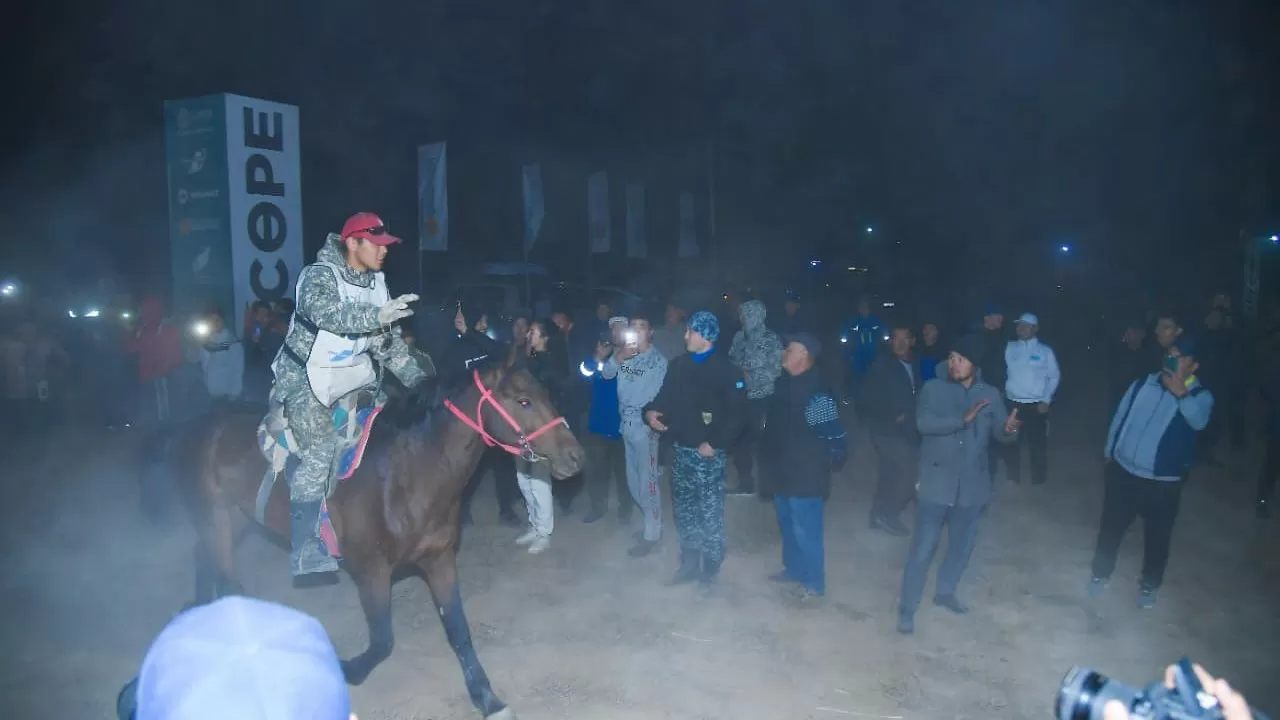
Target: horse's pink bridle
[{"x": 524, "y": 450}]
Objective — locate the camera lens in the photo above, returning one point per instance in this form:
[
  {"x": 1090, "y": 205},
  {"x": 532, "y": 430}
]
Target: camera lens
[{"x": 1085, "y": 692}]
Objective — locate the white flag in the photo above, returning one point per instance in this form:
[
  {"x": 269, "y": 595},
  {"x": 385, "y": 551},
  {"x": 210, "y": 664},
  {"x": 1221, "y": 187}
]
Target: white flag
[
  {"x": 599, "y": 228},
  {"x": 433, "y": 198},
  {"x": 688, "y": 244},
  {"x": 635, "y": 222},
  {"x": 534, "y": 210}
]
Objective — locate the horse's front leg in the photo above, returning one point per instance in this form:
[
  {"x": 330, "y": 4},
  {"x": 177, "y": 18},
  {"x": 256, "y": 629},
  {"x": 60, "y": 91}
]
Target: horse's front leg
[
  {"x": 373, "y": 579},
  {"x": 442, "y": 577}
]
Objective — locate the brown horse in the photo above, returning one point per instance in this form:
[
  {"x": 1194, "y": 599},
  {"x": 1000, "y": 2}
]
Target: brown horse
[{"x": 406, "y": 516}]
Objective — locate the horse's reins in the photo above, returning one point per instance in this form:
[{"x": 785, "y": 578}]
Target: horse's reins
[{"x": 525, "y": 449}]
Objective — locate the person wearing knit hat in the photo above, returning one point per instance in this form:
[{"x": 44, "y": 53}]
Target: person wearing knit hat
[
  {"x": 957, "y": 417},
  {"x": 239, "y": 658},
  {"x": 640, "y": 370},
  {"x": 701, "y": 409}
]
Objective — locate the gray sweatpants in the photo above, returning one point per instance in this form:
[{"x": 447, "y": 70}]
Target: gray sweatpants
[
  {"x": 641, "y": 445},
  {"x": 312, "y": 425}
]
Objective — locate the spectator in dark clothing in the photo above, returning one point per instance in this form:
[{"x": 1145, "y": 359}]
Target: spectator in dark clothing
[
  {"x": 1271, "y": 431},
  {"x": 1224, "y": 375},
  {"x": 892, "y": 385},
  {"x": 931, "y": 350},
  {"x": 606, "y": 456},
  {"x": 472, "y": 349},
  {"x": 995, "y": 339},
  {"x": 795, "y": 318},
  {"x": 701, "y": 406},
  {"x": 1128, "y": 360},
  {"x": 957, "y": 416},
  {"x": 574, "y": 344},
  {"x": 796, "y": 464},
  {"x": 1150, "y": 449}
]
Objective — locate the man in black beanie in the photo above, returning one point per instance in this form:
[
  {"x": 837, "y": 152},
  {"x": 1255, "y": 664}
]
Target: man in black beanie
[{"x": 957, "y": 417}]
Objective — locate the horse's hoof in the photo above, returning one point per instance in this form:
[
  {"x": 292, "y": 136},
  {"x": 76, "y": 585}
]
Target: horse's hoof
[
  {"x": 355, "y": 672},
  {"x": 505, "y": 713}
]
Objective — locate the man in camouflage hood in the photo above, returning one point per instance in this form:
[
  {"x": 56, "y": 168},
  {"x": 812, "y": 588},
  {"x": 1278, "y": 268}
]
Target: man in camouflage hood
[
  {"x": 344, "y": 320},
  {"x": 758, "y": 352}
]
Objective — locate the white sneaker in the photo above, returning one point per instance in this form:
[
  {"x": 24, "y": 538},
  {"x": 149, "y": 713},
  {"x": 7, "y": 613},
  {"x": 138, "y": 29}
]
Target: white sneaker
[
  {"x": 529, "y": 536},
  {"x": 539, "y": 544}
]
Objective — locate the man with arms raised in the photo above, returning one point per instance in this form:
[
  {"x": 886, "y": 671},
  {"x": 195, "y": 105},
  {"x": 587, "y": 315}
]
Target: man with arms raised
[
  {"x": 342, "y": 323},
  {"x": 957, "y": 417}
]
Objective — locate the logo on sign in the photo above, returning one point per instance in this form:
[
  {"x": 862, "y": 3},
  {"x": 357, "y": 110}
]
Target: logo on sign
[
  {"x": 200, "y": 117},
  {"x": 184, "y": 196},
  {"x": 186, "y": 226},
  {"x": 195, "y": 163}
]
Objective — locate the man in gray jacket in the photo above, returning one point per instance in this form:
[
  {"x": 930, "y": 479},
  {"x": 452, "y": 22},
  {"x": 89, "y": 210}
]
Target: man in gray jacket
[
  {"x": 957, "y": 415},
  {"x": 640, "y": 370}
]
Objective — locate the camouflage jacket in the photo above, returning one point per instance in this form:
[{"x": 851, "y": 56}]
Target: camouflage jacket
[
  {"x": 757, "y": 350},
  {"x": 319, "y": 302}
]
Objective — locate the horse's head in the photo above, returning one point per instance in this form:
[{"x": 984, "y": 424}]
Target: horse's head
[{"x": 515, "y": 413}]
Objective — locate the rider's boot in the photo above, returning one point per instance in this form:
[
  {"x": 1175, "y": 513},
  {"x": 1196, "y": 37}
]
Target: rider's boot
[{"x": 307, "y": 553}]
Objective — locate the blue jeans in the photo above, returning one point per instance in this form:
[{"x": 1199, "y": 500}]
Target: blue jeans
[
  {"x": 962, "y": 532},
  {"x": 800, "y": 522}
]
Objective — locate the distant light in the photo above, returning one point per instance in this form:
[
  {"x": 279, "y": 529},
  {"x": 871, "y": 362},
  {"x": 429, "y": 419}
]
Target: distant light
[
  {"x": 888, "y": 304},
  {"x": 870, "y": 229},
  {"x": 126, "y": 315},
  {"x": 815, "y": 262},
  {"x": 1064, "y": 249},
  {"x": 71, "y": 314},
  {"x": 886, "y": 337},
  {"x": 92, "y": 313},
  {"x": 1059, "y": 287},
  {"x": 1275, "y": 238},
  {"x": 844, "y": 339},
  {"x": 9, "y": 289}
]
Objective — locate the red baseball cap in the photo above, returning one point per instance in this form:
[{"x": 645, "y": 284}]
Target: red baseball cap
[{"x": 368, "y": 226}]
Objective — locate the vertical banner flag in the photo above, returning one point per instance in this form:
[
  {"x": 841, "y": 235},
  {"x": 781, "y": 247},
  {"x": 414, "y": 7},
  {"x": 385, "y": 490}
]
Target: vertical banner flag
[
  {"x": 635, "y": 221},
  {"x": 534, "y": 210},
  {"x": 235, "y": 201},
  {"x": 598, "y": 225},
  {"x": 433, "y": 198},
  {"x": 688, "y": 242}
]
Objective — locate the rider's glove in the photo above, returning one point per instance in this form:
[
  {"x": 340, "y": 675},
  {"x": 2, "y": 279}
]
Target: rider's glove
[{"x": 396, "y": 309}]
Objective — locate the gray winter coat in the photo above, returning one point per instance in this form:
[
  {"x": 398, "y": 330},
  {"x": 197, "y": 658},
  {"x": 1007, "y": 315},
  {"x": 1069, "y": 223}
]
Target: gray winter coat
[{"x": 953, "y": 455}]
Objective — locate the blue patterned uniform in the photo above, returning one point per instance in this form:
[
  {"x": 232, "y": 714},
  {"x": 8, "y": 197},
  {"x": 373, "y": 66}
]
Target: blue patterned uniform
[{"x": 697, "y": 501}]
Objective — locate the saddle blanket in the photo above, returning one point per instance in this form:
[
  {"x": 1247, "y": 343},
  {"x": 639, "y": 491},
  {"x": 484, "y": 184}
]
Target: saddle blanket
[{"x": 352, "y": 422}]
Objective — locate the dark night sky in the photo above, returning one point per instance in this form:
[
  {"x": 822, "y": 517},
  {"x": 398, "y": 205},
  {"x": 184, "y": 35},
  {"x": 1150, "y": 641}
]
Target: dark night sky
[{"x": 982, "y": 132}]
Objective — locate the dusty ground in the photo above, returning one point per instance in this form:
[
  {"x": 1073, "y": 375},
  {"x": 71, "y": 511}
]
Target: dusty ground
[{"x": 585, "y": 632}]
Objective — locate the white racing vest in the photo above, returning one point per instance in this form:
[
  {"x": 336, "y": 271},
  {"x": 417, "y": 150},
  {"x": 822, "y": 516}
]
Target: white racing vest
[{"x": 340, "y": 364}]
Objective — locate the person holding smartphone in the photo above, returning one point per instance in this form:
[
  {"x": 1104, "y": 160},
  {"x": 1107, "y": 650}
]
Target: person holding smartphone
[
  {"x": 640, "y": 370},
  {"x": 1150, "y": 448}
]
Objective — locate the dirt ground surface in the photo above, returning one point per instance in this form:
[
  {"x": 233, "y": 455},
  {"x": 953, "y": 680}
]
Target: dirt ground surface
[{"x": 584, "y": 632}]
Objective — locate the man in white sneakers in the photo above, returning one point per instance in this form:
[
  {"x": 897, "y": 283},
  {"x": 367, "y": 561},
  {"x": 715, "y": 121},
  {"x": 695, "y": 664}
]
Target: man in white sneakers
[{"x": 1032, "y": 381}]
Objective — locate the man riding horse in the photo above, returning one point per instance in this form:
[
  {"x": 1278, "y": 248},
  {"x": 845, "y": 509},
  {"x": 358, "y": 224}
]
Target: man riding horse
[{"x": 344, "y": 321}]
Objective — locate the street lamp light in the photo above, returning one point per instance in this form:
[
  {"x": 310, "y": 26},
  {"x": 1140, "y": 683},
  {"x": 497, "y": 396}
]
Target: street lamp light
[{"x": 1064, "y": 249}]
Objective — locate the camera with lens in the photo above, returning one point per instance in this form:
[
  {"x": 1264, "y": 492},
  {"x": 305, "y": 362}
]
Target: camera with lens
[{"x": 1085, "y": 692}]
